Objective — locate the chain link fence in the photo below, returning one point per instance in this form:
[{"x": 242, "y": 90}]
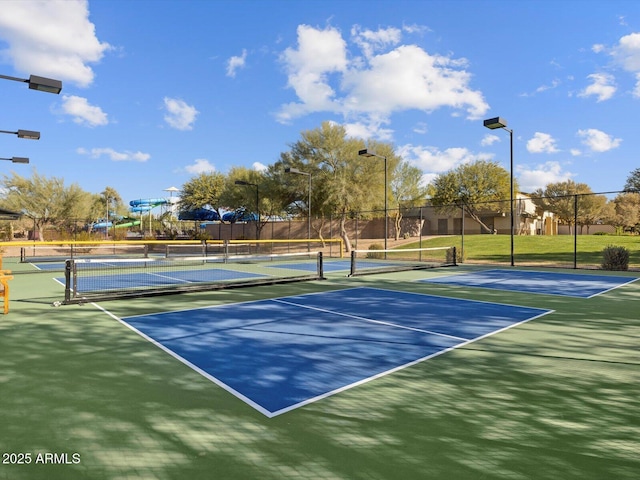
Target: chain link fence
[{"x": 565, "y": 230}]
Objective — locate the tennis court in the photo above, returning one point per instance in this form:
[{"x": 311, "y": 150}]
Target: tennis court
[
  {"x": 548, "y": 283},
  {"x": 385, "y": 376},
  {"x": 282, "y": 353}
]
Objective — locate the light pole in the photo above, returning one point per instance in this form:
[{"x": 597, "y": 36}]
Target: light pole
[
  {"x": 368, "y": 154},
  {"x": 242, "y": 182},
  {"x": 43, "y": 84},
  {"x": 299, "y": 172},
  {"x": 493, "y": 124}
]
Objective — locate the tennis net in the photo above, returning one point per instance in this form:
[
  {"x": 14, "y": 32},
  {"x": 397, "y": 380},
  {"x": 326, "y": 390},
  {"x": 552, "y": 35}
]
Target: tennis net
[
  {"x": 365, "y": 262},
  {"x": 98, "y": 279},
  {"x": 38, "y": 253}
]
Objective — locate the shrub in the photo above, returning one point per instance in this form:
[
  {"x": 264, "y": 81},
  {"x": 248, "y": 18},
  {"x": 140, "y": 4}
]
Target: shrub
[
  {"x": 615, "y": 258},
  {"x": 449, "y": 258},
  {"x": 372, "y": 253}
]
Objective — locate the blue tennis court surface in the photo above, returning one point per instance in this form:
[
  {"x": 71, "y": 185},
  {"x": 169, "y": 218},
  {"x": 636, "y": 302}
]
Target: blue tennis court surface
[
  {"x": 283, "y": 353},
  {"x": 550, "y": 283},
  {"x": 148, "y": 279}
]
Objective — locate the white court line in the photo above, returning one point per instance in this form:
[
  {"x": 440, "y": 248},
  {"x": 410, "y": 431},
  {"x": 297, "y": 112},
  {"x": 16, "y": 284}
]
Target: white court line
[{"x": 371, "y": 320}]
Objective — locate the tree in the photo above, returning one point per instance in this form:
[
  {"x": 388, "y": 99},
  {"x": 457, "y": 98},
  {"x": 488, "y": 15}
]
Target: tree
[
  {"x": 406, "y": 191},
  {"x": 44, "y": 200},
  {"x": 633, "y": 182},
  {"x": 343, "y": 181},
  {"x": 473, "y": 187},
  {"x": 626, "y": 215},
  {"x": 255, "y": 196},
  {"x": 591, "y": 210},
  {"x": 202, "y": 191},
  {"x": 562, "y": 198}
]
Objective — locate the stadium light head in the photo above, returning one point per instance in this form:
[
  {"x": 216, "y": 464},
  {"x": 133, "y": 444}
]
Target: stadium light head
[
  {"x": 43, "y": 84},
  {"x": 296, "y": 171},
  {"x": 242, "y": 182},
  {"x": 366, "y": 153},
  {"x": 17, "y": 159},
  {"x": 494, "y": 123},
  {"x": 35, "y": 82},
  {"x": 28, "y": 134}
]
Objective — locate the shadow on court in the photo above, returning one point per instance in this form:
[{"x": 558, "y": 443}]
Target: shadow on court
[{"x": 553, "y": 398}]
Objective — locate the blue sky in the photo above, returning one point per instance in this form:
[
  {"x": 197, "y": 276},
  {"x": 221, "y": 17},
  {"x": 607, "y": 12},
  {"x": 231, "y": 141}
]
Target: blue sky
[{"x": 155, "y": 92}]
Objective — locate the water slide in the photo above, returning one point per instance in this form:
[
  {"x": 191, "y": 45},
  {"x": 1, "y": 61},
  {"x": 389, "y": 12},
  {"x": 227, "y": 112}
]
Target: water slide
[
  {"x": 126, "y": 222},
  {"x": 199, "y": 214},
  {"x": 143, "y": 205}
]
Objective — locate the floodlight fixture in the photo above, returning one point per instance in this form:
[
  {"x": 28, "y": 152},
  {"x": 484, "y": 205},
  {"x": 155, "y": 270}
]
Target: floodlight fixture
[
  {"x": 494, "y": 123},
  {"x": 16, "y": 159},
  {"x": 28, "y": 134},
  {"x": 35, "y": 82}
]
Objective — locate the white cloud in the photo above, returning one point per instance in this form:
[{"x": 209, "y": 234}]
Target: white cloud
[
  {"x": 421, "y": 128},
  {"x": 368, "y": 130},
  {"x": 602, "y": 87},
  {"x": 489, "y": 139},
  {"x": 180, "y": 115},
  {"x": 234, "y": 63},
  {"x": 259, "y": 167},
  {"x": 541, "y": 143},
  {"x": 555, "y": 83},
  {"x": 200, "y": 165},
  {"x": 319, "y": 53},
  {"x": 627, "y": 55},
  {"x": 575, "y": 152},
  {"x": 434, "y": 161},
  {"x": 541, "y": 175},
  {"x": 627, "y": 52},
  {"x": 114, "y": 155},
  {"x": 369, "y": 91},
  {"x": 370, "y": 41},
  {"x": 53, "y": 38},
  {"x": 82, "y": 112},
  {"x": 597, "y": 140}
]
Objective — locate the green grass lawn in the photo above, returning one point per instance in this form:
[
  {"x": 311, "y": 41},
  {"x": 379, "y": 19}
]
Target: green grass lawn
[{"x": 544, "y": 250}]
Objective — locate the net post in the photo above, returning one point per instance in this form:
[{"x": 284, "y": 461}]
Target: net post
[
  {"x": 352, "y": 270},
  {"x": 67, "y": 281},
  {"x": 320, "y": 266},
  {"x": 455, "y": 256},
  {"x": 23, "y": 255},
  {"x": 146, "y": 250}
]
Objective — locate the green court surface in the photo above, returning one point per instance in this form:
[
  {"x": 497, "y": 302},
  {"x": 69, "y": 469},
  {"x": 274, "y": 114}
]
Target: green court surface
[{"x": 82, "y": 396}]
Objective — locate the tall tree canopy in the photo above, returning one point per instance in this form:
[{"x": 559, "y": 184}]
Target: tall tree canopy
[
  {"x": 561, "y": 198},
  {"x": 474, "y": 187},
  {"x": 44, "y": 200},
  {"x": 202, "y": 191},
  {"x": 343, "y": 181},
  {"x": 633, "y": 182}
]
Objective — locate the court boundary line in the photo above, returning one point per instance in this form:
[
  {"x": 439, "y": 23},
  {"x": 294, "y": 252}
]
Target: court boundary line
[
  {"x": 497, "y": 282},
  {"x": 270, "y": 414},
  {"x": 370, "y": 320}
]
